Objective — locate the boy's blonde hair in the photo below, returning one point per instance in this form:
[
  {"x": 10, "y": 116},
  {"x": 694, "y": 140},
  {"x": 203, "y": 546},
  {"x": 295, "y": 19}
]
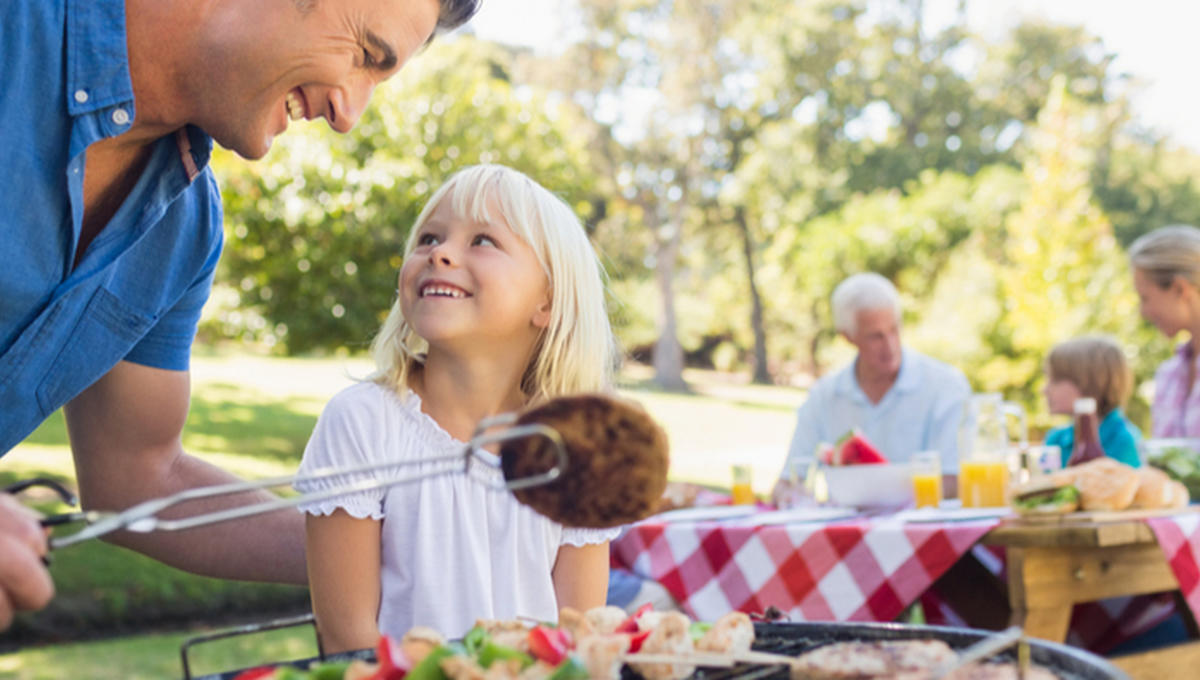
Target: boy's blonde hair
[
  {"x": 1096, "y": 365},
  {"x": 577, "y": 350}
]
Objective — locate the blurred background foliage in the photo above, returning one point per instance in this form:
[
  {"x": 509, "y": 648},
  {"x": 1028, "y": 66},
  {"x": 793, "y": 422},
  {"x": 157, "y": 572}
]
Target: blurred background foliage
[{"x": 733, "y": 160}]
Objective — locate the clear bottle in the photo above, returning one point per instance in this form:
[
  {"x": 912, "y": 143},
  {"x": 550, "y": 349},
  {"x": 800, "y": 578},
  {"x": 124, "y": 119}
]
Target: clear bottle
[{"x": 1087, "y": 433}]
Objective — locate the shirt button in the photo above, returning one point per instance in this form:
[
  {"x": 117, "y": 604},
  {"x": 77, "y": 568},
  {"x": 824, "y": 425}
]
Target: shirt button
[
  {"x": 81, "y": 96},
  {"x": 120, "y": 117}
]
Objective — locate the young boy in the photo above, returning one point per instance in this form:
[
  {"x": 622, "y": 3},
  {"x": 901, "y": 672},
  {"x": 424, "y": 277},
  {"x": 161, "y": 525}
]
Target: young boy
[{"x": 1095, "y": 367}]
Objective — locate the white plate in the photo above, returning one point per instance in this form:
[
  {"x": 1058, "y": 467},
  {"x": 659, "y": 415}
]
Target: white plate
[
  {"x": 796, "y": 516},
  {"x": 708, "y": 512},
  {"x": 951, "y": 514}
]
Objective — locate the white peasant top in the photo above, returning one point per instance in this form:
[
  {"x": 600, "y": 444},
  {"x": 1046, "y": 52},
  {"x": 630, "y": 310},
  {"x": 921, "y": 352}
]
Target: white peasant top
[{"x": 454, "y": 548}]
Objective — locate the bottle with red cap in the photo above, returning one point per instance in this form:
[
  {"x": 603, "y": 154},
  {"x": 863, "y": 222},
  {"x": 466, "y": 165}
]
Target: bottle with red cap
[{"x": 1087, "y": 433}]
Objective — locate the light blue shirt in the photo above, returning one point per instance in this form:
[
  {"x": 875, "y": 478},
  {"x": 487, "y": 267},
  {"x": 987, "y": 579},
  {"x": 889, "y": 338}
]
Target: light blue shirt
[
  {"x": 921, "y": 412},
  {"x": 137, "y": 292}
]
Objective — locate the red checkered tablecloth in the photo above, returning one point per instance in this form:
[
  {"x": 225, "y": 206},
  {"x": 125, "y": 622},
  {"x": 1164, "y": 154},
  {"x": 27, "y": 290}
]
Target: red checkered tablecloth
[
  {"x": 856, "y": 570},
  {"x": 1179, "y": 538},
  {"x": 868, "y": 570}
]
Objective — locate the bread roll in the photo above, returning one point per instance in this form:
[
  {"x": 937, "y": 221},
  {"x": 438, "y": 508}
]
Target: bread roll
[
  {"x": 1179, "y": 496},
  {"x": 1154, "y": 489},
  {"x": 1104, "y": 484},
  {"x": 617, "y": 461}
]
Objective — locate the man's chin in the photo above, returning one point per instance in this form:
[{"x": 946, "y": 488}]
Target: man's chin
[{"x": 250, "y": 150}]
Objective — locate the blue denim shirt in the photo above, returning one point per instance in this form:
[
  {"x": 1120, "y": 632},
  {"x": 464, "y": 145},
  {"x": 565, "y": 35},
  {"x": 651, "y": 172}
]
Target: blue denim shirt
[{"x": 136, "y": 293}]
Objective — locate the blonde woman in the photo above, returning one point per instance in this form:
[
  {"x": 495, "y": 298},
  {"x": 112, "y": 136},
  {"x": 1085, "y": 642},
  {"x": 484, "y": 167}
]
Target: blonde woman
[
  {"x": 1166, "y": 274},
  {"x": 501, "y": 304},
  {"x": 1092, "y": 366}
]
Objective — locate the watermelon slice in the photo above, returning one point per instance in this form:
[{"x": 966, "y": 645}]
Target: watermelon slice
[{"x": 852, "y": 449}]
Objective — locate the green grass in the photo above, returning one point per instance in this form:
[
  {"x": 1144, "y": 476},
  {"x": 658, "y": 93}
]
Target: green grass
[
  {"x": 252, "y": 416},
  {"x": 157, "y": 656}
]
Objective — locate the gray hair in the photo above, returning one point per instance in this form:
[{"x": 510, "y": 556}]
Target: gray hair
[
  {"x": 1168, "y": 252},
  {"x": 860, "y": 292}
]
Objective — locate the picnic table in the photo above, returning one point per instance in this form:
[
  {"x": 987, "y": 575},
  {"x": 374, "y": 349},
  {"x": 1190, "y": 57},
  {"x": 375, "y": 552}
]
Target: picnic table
[{"x": 871, "y": 568}]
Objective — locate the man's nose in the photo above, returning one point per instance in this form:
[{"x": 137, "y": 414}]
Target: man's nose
[{"x": 349, "y": 104}]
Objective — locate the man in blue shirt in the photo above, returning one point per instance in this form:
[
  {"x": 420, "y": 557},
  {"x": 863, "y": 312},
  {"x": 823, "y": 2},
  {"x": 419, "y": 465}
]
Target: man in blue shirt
[
  {"x": 904, "y": 402},
  {"x": 112, "y": 230}
]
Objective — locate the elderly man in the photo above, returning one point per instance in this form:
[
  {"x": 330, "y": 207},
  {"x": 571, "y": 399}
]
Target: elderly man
[
  {"x": 903, "y": 401},
  {"x": 113, "y": 229}
]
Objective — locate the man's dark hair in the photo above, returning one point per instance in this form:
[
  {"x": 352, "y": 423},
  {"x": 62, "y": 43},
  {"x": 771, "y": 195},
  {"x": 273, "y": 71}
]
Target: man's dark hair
[{"x": 455, "y": 13}]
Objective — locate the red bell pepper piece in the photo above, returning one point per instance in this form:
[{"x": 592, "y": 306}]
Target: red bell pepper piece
[
  {"x": 549, "y": 644},
  {"x": 256, "y": 674},
  {"x": 393, "y": 665},
  {"x": 637, "y": 639},
  {"x": 630, "y": 625}
]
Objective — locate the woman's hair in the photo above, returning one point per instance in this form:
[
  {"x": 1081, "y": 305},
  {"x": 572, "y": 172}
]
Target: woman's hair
[
  {"x": 1096, "y": 365},
  {"x": 1168, "y": 252},
  {"x": 577, "y": 351},
  {"x": 859, "y": 292}
]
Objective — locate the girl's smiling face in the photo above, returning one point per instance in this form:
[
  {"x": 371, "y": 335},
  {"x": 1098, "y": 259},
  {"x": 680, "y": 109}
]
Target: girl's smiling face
[
  {"x": 1165, "y": 308},
  {"x": 471, "y": 281}
]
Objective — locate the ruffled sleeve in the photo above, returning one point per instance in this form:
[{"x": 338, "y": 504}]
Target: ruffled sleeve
[
  {"x": 350, "y": 432},
  {"x": 580, "y": 537}
]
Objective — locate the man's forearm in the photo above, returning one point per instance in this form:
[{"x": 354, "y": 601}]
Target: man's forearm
[{"x": 268, "y": 547}]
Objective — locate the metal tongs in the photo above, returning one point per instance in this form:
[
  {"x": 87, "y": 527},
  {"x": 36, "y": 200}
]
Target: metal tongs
[
  {"x": 987, "y": 647},
  {"x": 145, "y": 516}
]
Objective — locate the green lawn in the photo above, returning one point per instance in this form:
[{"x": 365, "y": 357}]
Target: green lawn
[{"x": 252, "y": 415}]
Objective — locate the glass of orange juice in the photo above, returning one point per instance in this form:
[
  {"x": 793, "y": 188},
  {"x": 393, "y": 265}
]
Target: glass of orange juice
[
  {"x": 742, "y": 492},
  {"x": 927, "y": 479},
  {"x": 983, "y": 480}
]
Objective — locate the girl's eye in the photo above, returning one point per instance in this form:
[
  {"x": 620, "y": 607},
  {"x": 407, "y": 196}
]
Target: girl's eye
[
  {"x": 483, "y": 240},
  {"x": 426, "y": 240}
]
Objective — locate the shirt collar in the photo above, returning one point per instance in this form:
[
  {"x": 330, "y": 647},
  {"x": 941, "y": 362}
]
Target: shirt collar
[
  {"x": 97, "y": 61},
  {"x": 907, "y": 380}
]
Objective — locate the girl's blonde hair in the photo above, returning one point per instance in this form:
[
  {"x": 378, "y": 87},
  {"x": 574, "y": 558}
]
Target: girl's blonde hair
[
  {"x": 577, "y": 351},
  {"x": 1096, "y": 365},
  {"x": 1168, "y": 252}
]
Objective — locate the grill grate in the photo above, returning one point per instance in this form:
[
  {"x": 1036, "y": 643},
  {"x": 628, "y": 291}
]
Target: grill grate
[{"x": 793, "y": 639}]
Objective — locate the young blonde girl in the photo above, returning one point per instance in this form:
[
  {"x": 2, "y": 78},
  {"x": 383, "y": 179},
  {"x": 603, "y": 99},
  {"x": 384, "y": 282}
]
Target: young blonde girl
[
  {"x": 500, "y": 305},
  {"x": 1092, "y": 366}
]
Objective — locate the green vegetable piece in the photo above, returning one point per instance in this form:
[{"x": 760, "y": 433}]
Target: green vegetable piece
[
  {"x": 328, "y": 671},
  {"x": 571, "y": 669},
  {"x": 289, "y": 673},
  {"x": 698, "y": 629},
  {"x": 475, "y": 639},
  {"x": 491, "y": 652},
  {"x": 430, "y": 667}
]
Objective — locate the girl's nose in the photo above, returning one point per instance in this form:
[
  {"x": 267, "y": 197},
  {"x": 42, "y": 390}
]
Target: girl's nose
[{"x": 441, "y": 254}]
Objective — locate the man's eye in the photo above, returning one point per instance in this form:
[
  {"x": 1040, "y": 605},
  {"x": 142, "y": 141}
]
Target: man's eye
[{"x": 368, "y": 60}]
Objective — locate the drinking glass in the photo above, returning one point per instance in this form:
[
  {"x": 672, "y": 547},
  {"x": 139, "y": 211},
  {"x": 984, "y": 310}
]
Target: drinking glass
[
  {"x": 742, "y": 492},
  {"x": 927, "y": 479}
]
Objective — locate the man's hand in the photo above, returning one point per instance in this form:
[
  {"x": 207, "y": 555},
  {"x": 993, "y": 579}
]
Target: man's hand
[
  {"x": 24, "y": 582},
  {"x": 125, "y": 436}
]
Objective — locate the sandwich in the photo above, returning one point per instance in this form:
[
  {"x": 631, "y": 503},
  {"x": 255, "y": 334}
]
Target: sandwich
[{"x": 1046, "y": 496}]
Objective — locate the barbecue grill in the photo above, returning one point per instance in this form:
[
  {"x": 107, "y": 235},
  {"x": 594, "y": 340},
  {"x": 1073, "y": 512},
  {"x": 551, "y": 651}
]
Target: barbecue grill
[{"x": 791, "y": 639}]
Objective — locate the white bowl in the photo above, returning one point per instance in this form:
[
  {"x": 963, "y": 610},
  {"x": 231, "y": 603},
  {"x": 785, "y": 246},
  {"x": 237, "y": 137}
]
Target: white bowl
[{"x": 870, "y": 486}]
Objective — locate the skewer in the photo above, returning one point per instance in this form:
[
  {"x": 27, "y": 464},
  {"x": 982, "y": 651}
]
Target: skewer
[
  {"x": 981, "y": 650},
  {"x": 144, "y": 517},
  {"x": 693, "y": 659}
]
